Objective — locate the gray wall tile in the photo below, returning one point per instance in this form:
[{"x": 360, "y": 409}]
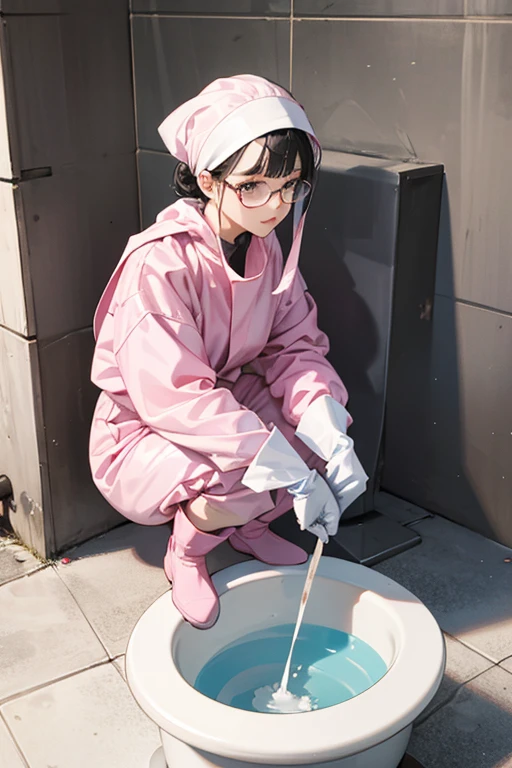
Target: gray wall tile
[
  {"x": 219, "y": 8},
  {"x": 482, "y": 263},
  {"x": 379, "y": 8},
  {"x": 5, "y": 152},
  {"x": 488, "y": 8},
  {"x": 13, "y": 313},
  {"x": 43, "y": 7},
  {"x": 71, "y": 83},
  {"x": 436, "y": 91},
  {"x": 77, "y": 510},
  {"x": 363, "y": 93},
  {"x": 461, "y": 465},
  {"x": 77, "y": 223},
  {"x": 175, "y": 58},
  {"x": 390, "y": 88},
  {"x": 19, "y": 422},
  {"x": 156, "y": 171}
]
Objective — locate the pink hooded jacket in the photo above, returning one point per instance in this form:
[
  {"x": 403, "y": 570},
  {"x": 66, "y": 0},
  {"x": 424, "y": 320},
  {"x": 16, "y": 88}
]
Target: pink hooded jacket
[{"x": 173, "y": 329}]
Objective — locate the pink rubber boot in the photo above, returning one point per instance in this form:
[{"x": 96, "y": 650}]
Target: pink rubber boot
[
  {"x": 255, "y": 538},
  {"x": 193, "y": 593}
]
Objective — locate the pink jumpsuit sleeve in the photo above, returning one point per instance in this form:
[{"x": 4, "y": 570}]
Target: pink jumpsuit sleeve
[
  {"x": 293, "y": 361},
  {"x": 168, "y": 377}
]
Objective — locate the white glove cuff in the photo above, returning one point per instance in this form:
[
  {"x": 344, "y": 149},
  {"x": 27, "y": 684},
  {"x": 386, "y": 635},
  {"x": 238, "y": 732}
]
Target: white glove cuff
[
  {"x": 321, "y": 425},
  {"x": 276, "y": 465}
]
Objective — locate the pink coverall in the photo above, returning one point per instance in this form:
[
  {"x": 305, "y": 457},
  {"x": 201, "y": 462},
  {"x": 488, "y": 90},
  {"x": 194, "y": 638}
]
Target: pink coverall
[{"x": 177, "y": 417}]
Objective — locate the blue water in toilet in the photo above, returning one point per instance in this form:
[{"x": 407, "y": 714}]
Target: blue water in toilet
[{"x": 328, "y": 666}]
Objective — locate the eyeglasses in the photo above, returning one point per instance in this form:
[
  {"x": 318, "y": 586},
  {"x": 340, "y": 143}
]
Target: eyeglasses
[{"x": 252, "y": 194}]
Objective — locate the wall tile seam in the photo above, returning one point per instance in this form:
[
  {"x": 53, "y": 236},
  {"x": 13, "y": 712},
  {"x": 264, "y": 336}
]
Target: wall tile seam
[
  {"x": 434, "y": 19},
  {"x": 53, "y": 681},
  {"x": 11, "y": 14},
  {"x": 21, "y": 754},
  {"x": 98, "y": 12},
  {"x": 290, "y": 64},
  {"x": 207, "y": 16},
  {"x": 135, "y": 114},
  {"x": 475, "y": 305}
]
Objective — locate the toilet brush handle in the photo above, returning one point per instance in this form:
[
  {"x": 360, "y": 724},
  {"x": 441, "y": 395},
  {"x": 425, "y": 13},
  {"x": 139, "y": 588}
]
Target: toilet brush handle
[
  {"x": 315, "y": 559},
  {"x": 313, "y": 565}
]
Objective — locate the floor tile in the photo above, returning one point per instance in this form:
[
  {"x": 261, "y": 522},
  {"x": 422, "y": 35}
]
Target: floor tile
[
  {"x": 15, "y": 560},
  {"x": 464, "y": 579},
  {"x": 507, "y": 664},
  {"x": 473, "y": 730},
  {"x": 90, "y": 719},
  {"x": 115, "y": 577},
  {"x": 462, "y": 664},
  {"x": 11, "y": 758},
  {"x": 46, "y": 635}
]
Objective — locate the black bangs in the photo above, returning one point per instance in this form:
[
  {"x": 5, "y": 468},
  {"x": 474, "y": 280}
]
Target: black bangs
[{"x": 278, "y": 156}]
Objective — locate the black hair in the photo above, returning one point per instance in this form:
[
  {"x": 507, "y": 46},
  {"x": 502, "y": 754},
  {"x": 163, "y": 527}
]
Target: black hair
[{"x": 277, "y": 159}]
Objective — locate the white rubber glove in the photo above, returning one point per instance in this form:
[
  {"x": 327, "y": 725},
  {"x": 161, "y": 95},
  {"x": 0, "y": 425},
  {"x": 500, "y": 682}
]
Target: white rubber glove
[
  {"x": 278, "y": 465},
  {"x": 323, "y": 428}
]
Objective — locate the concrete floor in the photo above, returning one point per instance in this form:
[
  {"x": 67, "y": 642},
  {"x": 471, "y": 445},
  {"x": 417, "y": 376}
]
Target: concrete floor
[{"x": 64, "y": 702}]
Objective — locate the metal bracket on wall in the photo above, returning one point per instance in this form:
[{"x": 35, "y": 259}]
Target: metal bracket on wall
[{"x": 28, "y": 174}]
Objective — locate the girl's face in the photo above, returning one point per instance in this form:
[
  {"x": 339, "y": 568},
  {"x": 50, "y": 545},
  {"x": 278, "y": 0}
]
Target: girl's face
[{"x": 235, "y": 217}]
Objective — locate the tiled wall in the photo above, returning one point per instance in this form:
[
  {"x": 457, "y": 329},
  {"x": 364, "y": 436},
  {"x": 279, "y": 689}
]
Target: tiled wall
[
  {"x": 412, "y": 79},
  {"x": 72, "y": 184}
]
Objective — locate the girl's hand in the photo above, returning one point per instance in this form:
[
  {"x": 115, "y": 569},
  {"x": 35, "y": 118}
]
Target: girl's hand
[{"x": 316, "y": 509}]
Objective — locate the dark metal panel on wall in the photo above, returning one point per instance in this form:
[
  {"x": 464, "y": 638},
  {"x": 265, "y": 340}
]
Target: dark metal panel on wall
[
  {"x": 219, "y": 8},
  {"x": 379, "y": 8},
  {"x": 368, "y": 258},
  {"x": 77, "y": 510},
  {"x": 174, "y": 58},
  {"x": 348, "y": 260},
  {"x": 460, "y": 467}
]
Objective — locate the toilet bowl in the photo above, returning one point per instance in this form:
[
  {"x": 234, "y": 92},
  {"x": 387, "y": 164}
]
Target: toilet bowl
[{"x": 165, "y": 654}]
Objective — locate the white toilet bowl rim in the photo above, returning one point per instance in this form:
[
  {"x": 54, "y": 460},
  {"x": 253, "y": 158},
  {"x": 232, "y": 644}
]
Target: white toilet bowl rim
[{"x": 360, "y": 723}]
